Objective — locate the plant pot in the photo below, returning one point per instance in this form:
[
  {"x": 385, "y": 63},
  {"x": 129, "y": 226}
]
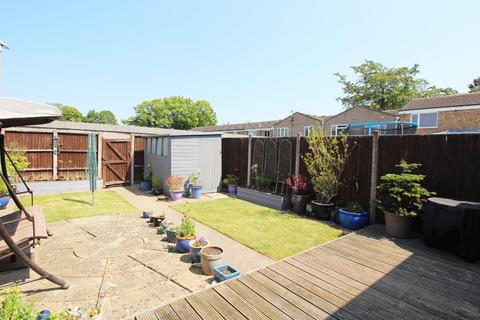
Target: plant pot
[
  {"x": 398, "y": 226},
  {"x": 176, "y": 195},
  {"x": 352, "y": 220},
  {"x": 145, "y": 185},
  {"x": 299, "y": 203},
  {"x": 183, "y": 244},
  {"x": 147, "y": 214},
  {"x": 171, "y": 235},
  {"x": 158, "y": 220},
  {"x": 232, "y": 189},
  {"x": 196, "y": 192},
  {"x": 4, "y": 202},
  {"x": 211, "y": 257},
  {"x": 224, "y": 272},
  {"x": 195, "y": 251},
  {"x": 322, "y": 210}
]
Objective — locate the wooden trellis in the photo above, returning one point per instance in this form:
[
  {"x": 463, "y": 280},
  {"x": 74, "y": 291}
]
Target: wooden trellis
[
  {"x": 270, "y": 167},
  {"x": 284, "y": 164},
  {"x": 258, "y": 155}
]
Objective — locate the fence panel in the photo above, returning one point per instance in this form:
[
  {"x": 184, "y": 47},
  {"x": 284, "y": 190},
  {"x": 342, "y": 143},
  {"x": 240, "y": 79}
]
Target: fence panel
[
  {"x": 235, "y": 158},
  {"x": 73, "y": 156}
]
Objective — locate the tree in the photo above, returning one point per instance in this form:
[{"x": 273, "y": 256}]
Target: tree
[
  {"x": 104, "y": 117},
  {"x": 173, "y": 112},
  {"x": 381, "y": 88},
  {"x": 71, "y": 114},
  {"x": 475, "y": 85}
]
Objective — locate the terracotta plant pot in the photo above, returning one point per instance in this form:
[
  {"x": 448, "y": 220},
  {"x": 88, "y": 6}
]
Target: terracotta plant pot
[
  {"x": 211, "y": 257},
  {"x": 398, "y": 226}
]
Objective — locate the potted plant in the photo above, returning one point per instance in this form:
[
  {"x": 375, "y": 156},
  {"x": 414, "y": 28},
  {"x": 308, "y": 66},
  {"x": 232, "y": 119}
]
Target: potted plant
[
  {"x": 185, "y": 233},
  {"x": 146, "y": 183},
  {"x": 171, "y": 232},
  {"x": 325, "y": 163},
  {"x": 353, "y": 216},
  {"x": 19, "y": 161},
  {"x": 195, "y": 185},
  {"x": 298, "y": 184},
  {"x": 196, "y": 246},
  {"x": 211, "y": 256},
  {"x": 156, "y": 185},
  {"x": 176, "y": 186},
  {"x": 231, "y": 181},
  {"x": 401, "y": 197}
]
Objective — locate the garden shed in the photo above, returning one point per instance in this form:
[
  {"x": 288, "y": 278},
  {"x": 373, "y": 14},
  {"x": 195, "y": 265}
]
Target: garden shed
[{"x": 181, "y": 154}]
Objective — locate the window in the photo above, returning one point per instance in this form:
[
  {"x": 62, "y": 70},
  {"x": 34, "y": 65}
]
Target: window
[
  {"x": 336, "y": 129},
  {"x": 148, "y": 145},
  {"x": 307, "y": 130},
  {"x": 165, "y": 147},
  {"x": 425, "y": 120},
  {"x": 159, "y": 146},
  {"x": 154, "y": 145},
  {"x": 282, "y": 132}
]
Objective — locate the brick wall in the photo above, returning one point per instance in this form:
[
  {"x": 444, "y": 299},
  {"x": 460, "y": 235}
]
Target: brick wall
[
  {"x": 296, "y": 124},
  {"x": 357, "y": 115},
  {"x": 451, "y": 120}
]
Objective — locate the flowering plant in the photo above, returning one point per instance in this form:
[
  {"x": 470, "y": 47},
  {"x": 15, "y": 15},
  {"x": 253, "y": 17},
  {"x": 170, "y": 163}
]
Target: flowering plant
[
  {"x": 175, "y": 183},
  {"x": 298, "y": 184},
  {"x": 200, "y": 242}
]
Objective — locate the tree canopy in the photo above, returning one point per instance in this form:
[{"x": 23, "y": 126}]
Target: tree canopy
[
  {"x": 475, "y": 85},
  {"x": 70, "y": 114},
  {"x": 381, "y": 88},
  {"x": 104, "y": 116},
  {"x": 173, "y": 112}
]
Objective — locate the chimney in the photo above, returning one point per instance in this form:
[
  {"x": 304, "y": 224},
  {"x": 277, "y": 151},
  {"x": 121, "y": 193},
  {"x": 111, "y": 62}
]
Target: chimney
[{"x": 3, "y": 46}]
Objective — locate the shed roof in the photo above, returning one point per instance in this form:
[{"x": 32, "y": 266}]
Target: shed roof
[{"x": 457, "y": 100}]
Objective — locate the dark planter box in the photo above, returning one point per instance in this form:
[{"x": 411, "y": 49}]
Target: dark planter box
[{"x": 269, "y": 200}]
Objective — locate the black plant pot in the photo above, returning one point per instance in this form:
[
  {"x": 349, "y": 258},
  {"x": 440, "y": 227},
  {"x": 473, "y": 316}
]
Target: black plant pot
[
  {"x": 299, "y": 203},
  {"x": 322, "y": 210}
]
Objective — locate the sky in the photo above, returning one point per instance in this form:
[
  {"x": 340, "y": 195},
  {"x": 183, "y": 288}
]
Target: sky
[{"x": 252, "y": 60}]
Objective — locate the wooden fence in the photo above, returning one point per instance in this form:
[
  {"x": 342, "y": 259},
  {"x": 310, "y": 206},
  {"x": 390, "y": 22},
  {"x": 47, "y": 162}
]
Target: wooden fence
[
  {"x": 450, "y": 163},
  {"x": 69, "y": 163}
]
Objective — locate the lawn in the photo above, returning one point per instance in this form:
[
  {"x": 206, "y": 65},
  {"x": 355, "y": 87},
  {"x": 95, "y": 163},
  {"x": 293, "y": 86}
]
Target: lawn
[
  {"x": 77, "y": 205},
  {"x": 273, "y": 233}
]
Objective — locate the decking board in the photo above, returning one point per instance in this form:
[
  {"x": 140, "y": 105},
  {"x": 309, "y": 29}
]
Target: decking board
[{"x": 364, "y": 275}]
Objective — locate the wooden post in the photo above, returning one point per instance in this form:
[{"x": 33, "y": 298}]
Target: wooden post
[
  {"x": 297, "y": 155},
  {"x": 55, "y": 146},
  {"x": 373, "y": 178},
  {"x": 132, "y": 159},
  {"x": 99, "y": 153},
  {"x": 249, "y": 160}
]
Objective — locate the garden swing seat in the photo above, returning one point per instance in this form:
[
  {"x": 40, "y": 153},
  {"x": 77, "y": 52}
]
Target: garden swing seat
[{"x": 22, "y": 230}]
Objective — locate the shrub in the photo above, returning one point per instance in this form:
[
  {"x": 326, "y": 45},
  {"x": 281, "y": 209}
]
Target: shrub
[
  {"x": 147, "y": 173},
  {"x": 298, "y": 184},
  {"x": 156, "y": 183},
  {"x": 175, "y": 183},
  {"x": 402, "y": 193},
  {"x": 263, "y": 181},
  {"x": 325, "y": 163},
  {"x": 19, "y": 158},
  {"x": 231, "y": 179},
  {"x": 195, "y": 179}
]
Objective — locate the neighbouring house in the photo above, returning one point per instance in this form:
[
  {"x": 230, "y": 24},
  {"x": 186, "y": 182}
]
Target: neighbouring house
[
  {"x": 298, "y": 123},
  {"x": 360, "y": 121},
  {"x": 446, "y": 114},
  {"x": 256, "y": 129}
]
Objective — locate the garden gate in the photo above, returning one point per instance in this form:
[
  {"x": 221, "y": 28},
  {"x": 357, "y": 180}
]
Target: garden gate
[{"x": 116, "y": 160}]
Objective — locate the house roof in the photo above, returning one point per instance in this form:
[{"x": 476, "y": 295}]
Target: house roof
[
  {"x": 238, "y": 126},
  {"x": 321, "y": 118},
  {"x": 96, "y": 127},
  {"x": 390, "y": 113},
  {"x": 466, "y": 99}
]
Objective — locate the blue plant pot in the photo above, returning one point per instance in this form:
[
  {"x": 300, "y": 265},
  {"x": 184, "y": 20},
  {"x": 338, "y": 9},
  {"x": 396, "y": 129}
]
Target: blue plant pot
[
  {"x": 232, "y": 189},
  {"x": 196, "y": 192},
  {"x": 171, "y": 235},
  {"x": 195, "y": 252},
  {"x": 145, "y": 185},
  {"x": 183, "y": 244},
  {"x": 4, "y": 202},
  {"x": 147, "y": 214},
  {"x": 220, "y": 275},
  {"x": 352, "y": 220}
]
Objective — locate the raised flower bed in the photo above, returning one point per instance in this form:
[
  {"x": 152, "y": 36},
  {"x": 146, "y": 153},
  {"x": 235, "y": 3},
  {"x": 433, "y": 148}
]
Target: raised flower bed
[{"x": 265, "y": 199}]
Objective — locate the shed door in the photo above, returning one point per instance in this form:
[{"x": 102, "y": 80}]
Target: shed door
[
  {"x": 116, "y": 159},
  {"x": 211, "y": 163}
]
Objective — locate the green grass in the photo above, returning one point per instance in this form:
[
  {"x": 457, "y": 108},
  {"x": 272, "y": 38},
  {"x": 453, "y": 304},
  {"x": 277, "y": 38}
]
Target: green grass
[
  {"x": 77, "y": 205},
  {"x": 273, "y": 233}
]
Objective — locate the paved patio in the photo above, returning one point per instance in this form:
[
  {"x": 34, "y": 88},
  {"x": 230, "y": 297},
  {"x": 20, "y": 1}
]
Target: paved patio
[{"x": 120, "y": 263}]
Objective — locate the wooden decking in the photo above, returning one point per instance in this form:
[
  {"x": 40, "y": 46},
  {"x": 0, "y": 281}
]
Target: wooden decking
[{"x": 360, "y": 276}]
